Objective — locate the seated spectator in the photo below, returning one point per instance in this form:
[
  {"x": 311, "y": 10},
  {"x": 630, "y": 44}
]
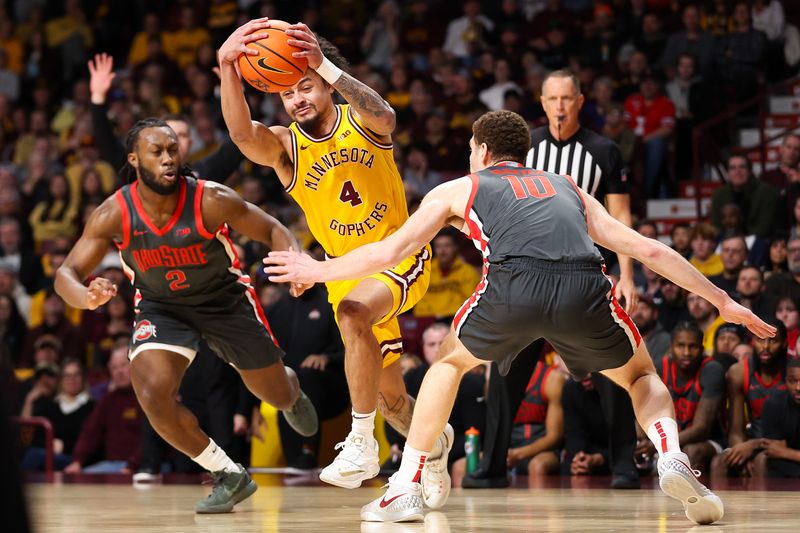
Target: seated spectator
[
  {"x": 732, "y": 223},
  {"x": 781, "y": 428},
  {"x": 19, "y": 258},
  {"x": 726, "y": 339},
  {"x": 418, "y": 178},
  {"x": 697, "y": 386},
  {"x": 681, "y": 236},
  {"x": 614, "y": 128},
  {"x": 114, "y": 427},
  {"x": 55, "y": 323},
  {"x": 645, "y": 316},
  {"x": 788, "y": 170},
  {"x": 703, "y": 242},
  {"x": 750, "y": 289},
  {"x": 651, "y": 116},
  {"x": 452, "y": 279},
  {"x": 739, "y": 54},
  {"x": 492, "y": 97},
  {"x": 538, "y": 428},
  {"x": 67, "y": 412},
  {"x": 12, "y": 326},
  {"x": 786, "y": 311},
  {"x": 758, "y": 201},
  {"x": 751, "y": 383},
  {"x": 585, "y": 430},
  {"x": 787, "y": 283},
  {"x": 181, "y": 45},
  {"x": 794, "y": 218},
  {"x": 43, "y": 385},
  {"x": 55, "y": 216},
  {"x": 467, "y": 35},
  {"x": 733, "y": 253},
  {"x": 776, "y": 259},
  {"x": 672, "y": 305},
  {"x": 707, "y": 318},
  {"x": 692, "y": 40},
  {"x": 445, "y": 147},
  {"x": 306, "y": 329}
]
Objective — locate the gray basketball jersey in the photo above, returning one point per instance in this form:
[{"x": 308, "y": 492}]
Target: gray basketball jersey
[
  {"x": 515, "y": 211},
  {"x": 181, "y": 263}
]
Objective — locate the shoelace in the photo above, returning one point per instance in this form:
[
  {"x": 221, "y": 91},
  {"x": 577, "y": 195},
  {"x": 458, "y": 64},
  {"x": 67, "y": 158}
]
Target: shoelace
[{"x": 350, "y": 449}]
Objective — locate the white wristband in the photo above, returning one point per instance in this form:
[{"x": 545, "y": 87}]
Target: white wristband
[{"x": 328, "y": 71}]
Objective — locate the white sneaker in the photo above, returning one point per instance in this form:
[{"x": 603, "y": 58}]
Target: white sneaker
[
  {"x": 357, "y": 461},
  {"x": 679, "y": 481},
  {"x": 435, "y": 477},
  {"x": 401, "y": 503}
]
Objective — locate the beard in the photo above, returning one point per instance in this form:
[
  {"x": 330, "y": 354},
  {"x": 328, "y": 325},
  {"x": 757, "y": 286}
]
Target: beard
[
  {"x": 149, "y": 179},
  {"x": 311, "y": 123}
]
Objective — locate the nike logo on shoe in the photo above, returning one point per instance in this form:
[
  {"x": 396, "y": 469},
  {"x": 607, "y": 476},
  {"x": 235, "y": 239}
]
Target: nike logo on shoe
[
  {"x": 351, "y": 473},
  {"x": 384, "y": 502}
]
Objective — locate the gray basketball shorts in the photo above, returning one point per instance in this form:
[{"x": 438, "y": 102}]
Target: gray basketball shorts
[
  {"x": 569, "y": 304},
  {"x": 235, "y": 329}
]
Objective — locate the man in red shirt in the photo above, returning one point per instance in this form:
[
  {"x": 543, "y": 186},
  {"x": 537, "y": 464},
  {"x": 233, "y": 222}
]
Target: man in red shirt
[{"x": 651, "y": 116}]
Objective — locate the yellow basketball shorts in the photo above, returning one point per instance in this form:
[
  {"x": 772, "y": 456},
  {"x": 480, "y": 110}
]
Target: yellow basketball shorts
[{"x": 408, "y": 282}]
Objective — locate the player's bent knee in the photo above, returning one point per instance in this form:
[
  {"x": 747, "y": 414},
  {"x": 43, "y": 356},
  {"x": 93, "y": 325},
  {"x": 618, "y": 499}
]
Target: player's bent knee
[{"x": 354, "y": 317}]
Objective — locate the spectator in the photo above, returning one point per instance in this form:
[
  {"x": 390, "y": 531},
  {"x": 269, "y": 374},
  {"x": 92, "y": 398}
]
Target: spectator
[
  {"x": 651, "y": 116},
  {"x": 181, "y": 45},
  {"x": 787, "y": 312},
  {"x": 56, "y": 324},
  {"x": 418, "y": 36},
  {"x": 9, "y": 80},
  {"x": 706, "y": 317},
  {"x": 703, "y": 242},
  {"x": 139, "y": 47},
  {"x": 601, "y": 103},
  {"x": 672, "y": 307},
  {"x": 758, "y": 201},
  {"x": 733, "y": 253},
  {"x": 781, "y": 426},
  {"x": 750, "y": 288},
  {"x": 787, "y": 172},
  {"x": 776, "y": 260},
  {"x": 9, "y": 286},
  {"x": 306, "y": 329},
  {"x": 585, "y": 431},
  {"x": 66, "y": 412},
  {"x": 43, "y": 385},
  {"x": 114, "y": 426},
  {"x": 452, "y": 279},
  {"x": 727, "y": 338},
  {"x": 768, "y": 17},
  {"x": 691, "y": 41},
  {"x": 680, "y": 236},
  {"x": 18, "y": 258},
  {"x": 739, "y": 54},
  {"x": 635, "y": 70},
  {"x": 655, "y": 337},
  {"x": 538, "y": 428},
  {"x": 56, "y": 216},
  {"x": 380, "y": 38},
  {"x": 615, "y": 128},
  {"x": 12, "y": 327},
  {"x": 651, "y": 40},
  {"x": 445, "y": 148},
  {"x": 751, "y": 382},
  {"x": 70, "y": 35},
  {"x": 743, "y": 351},
  {"x": 697, "y": 386},
  {"x": 418, "y": 178},
  {"x": 492, "y": 97},
  {"x": 787, "y": 283},
  {"x": 689, "y": 94},
  {"x": 467, "y": 35}
]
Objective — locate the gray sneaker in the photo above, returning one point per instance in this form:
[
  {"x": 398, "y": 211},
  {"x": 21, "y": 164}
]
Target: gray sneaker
[
  {"x": 229, "y": 489},
  {"x": 302, "y": 416}
]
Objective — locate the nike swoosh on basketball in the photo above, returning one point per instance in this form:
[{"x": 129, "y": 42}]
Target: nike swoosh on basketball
[
  {"x": 384, "y": 502},
  {"x": 263, "y": 64}
]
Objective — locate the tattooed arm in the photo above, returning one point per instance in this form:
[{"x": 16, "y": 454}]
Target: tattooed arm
[{"x": 371, "y": 109}]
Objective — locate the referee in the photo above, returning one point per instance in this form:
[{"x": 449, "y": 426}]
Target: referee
[{"x": 595, "y": 163}]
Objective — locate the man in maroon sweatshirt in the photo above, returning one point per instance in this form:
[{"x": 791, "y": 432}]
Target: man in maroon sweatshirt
[{"x": 114, "y": 426}]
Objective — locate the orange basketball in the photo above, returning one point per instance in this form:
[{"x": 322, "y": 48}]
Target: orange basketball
[{"x": 273, "y": 69}]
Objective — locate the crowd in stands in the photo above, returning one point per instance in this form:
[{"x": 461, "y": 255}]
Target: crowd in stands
[{"x": 651, "y": 70}]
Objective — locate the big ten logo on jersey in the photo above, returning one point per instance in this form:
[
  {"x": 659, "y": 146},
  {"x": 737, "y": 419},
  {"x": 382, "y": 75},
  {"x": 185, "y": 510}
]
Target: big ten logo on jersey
[
  {"x": 335, "y": 158},
  {"x": 144, "y": 330},
  {"x": 359, "y": 228},
  {"x": 343, "y": 135}
]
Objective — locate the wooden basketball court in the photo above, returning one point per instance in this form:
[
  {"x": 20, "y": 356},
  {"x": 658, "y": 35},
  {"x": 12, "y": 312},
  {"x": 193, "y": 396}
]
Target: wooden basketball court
[{"x": 559, "y": 506}]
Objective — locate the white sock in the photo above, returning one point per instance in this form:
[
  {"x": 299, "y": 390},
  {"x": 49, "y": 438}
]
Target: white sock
[
  {"x": 411, "y": 464},
  {"x": 214, "y": 459},
  {"x": 364, "y": 424},
  {"x": 663, "y": 433}
]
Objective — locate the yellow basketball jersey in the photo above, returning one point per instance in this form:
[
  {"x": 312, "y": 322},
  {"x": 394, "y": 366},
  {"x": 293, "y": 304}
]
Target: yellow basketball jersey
[{"x": 347, "y": 184}]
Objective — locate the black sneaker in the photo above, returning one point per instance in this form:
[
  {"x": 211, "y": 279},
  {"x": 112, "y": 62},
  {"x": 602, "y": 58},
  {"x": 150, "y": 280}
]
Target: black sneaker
[
  {"x": 482, "y": 480},
  {"x": 627, "y": 481},
  {"x": 302, "y": 416},
  {"x": 229, "y": 489}
]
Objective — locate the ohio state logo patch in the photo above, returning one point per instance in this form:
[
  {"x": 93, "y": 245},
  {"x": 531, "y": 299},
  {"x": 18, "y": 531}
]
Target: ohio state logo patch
[{"x": 144, "y": 330}]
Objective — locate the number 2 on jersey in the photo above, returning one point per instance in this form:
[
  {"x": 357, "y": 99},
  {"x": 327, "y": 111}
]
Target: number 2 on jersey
[
  {"x": 531, "y": 187},
  {"x": 350, "y": 194},
  {"x": 177, "y": 279}
]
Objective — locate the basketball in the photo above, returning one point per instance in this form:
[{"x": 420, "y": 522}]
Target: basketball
[{"x": 273, "y": 69}]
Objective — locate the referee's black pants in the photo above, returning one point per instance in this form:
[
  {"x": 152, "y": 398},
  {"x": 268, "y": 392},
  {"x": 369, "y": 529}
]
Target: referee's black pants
[{"x": 506, "y": 393}]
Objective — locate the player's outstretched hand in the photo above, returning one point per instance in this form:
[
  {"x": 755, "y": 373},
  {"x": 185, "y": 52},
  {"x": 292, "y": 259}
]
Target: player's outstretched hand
[
  {"x": 288, "y": 266},
  {"x": 236, "y": 44},
  {"x": 100, "y": 291},
  {"x": 732, "y": 312},
  {"x": 303, "y": 37}
]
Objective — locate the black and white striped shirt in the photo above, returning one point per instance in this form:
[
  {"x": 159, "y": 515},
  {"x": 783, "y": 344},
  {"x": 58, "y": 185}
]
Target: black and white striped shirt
[{"x": 594, "y": 162}]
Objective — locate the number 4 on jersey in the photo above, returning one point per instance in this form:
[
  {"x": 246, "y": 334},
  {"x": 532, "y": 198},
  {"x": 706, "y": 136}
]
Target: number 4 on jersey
[{"x": 350, "y": 194}]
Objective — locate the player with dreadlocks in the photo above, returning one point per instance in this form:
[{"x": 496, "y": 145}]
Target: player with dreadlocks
[{"x": 171, "y": 230}]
